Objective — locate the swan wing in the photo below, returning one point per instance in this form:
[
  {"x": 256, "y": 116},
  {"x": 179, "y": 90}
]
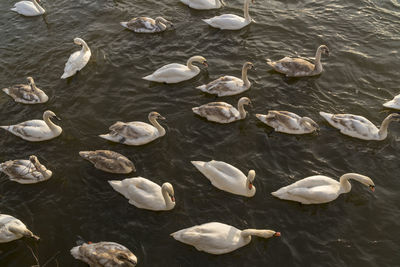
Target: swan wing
[
  {"x": 224, "y": 86},
  {"x": 226, "y": 169},
  {"x": 352, "y": 125},
  {"x": 26, "y": 8},
  {"x": 227, "y": 22},
  {"x": 293, "y": 66},
  {"x": 76, "y": 62},
  {"x": 313, "y": 195},
  {"x": 218, "y": 112},
  {"x": 173, "y": 73},
  {"x": 30, "y": 129},
  {"x": 142, "y": 24}
]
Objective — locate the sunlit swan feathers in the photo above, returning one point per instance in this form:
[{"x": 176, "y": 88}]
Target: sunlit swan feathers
[
  {"x": 298, "y": 67},
  {"x": 288, "y": 122},
  {"x": 104, "y": 254},
  {"x": 231, "y": 21},
  {"x": 12, "y": 229},
  {"x": 147, "y": 25},
  {"x": 109, "y": 161},
  {"x": 394, "y": 103},
  {"x": 358, "y": 126},
  {"x": 222, "y": 112},
  {"x": 28, "y": 8},
  {"x": 175, "y": 73},
  {"x": 26, "y": 171},
  {"x": 146, "y": 194},
  {"x": 77, "y": 60},
  {"x": 219, "y": 238},
  {"x": 320, "y": 189},
  {"x": 203, "y": 4},
  {"x": 36, "y": 130},
  {"x": 26, "y": 93},
  {"x": 229, "y": 85},
  {"x": 136, "y": 133},
  {"x": 227, "y": 177}
]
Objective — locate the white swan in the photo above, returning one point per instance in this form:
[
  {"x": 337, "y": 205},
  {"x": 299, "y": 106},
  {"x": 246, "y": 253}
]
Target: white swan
[
  {"x": 288, "y": 122},
  {"x": 320, "y": 189},
  {"x": 136, "y": 133},
  {"x": 203, "y": 4},
  {"x": 28, "y": 8},
  {"x": 36, "y": 130},
  {"x": 219, "y": 238},
  {"x": 107, "y": 254},
  {"x": 26, "y": 171},
  {"x": 222, "y": 112},
  {"x": 147, "y": 25},
  {"x": 109, "y": 161},
  {"x": 12, "y": 229},
  {"x": 231, "y": 21},
  {"x": 175, "y": 73},
  {"x": 26, "y": 93},
  {"x": 298, "y": 67},
  {"x": 229, "y": 85},
  {"x": 360, "y": 127},
  {"x": 77, "y": 60},
  {"x": 227, "y": 177},
  {"x": 146, "y": 194},
  {"x": 394, "y": 103}
]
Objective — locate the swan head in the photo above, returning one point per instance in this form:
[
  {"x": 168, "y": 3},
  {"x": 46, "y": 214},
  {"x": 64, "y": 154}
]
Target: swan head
[
  {"x": 50, "y": 114},
  {"x": 126, "y": 258},
  {"x": 324, "y": 49},
  {"x": 169, "y": 189},
  {"x": 33, "y": 159},
  {"x": 79, "y": 41},
  {"x": 200, "y": 59},
  {"x": 245, "y": 101},
  {"x": 260, "y": 233},
  {"x": 162, "y": 20},
  {"x": 155, "y": 116},
  {"x": 394, "y": 117},
  {"x": 30, "y": 80},
  {"x": 250, "y": 177},
  {"x": 248, "y": 66}
]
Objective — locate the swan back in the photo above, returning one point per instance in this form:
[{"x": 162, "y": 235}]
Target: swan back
[
  {"x": 109, "y": 161},
  {"x": 77, "y": 60}
]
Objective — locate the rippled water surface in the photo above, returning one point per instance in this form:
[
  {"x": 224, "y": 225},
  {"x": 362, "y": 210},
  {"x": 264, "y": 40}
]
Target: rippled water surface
[{"x": 77, "y": 204}]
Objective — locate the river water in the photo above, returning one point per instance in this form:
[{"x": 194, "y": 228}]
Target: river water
[{"x": 77, "y": 204}]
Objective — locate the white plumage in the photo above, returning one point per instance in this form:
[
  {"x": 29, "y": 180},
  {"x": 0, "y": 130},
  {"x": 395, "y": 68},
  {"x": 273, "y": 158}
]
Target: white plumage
[
  {"x": 394, "y": 103},
  {"x": 12, "y": 229},
  {"x": 26, "y": 93},
  {"x": 77, "y": 60},
  {"x": 28, "y": 8},
  {"x": 147, "y": 25},
  {"x": 203, "y": 4}
]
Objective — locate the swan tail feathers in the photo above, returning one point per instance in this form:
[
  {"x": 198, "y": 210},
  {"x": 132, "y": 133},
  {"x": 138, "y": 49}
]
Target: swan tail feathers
[
  {"x": 325, "y": 115},
  {"x": 202, "y": 88},
  {"x": 148, "y": 78},
  {"x": 208, "y": 21},
  {"x": 66, "y": 75},
  {"x": 14, "y": 9},
  {"x": 84, "y": 154},
  {"x": 117, "y": 186},
  {"x": 270, "y": 62},
  {"x": 75, "y": 252},
  {"x": 6, "y": 90},
  {"x": 196, "y": 111},
  {"x": 124, "y": 24}
]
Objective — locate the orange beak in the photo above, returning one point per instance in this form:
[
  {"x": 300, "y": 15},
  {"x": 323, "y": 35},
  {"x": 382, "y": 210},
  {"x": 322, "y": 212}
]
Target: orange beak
[
  {"x": 277, "y": 234},
  {"x": 372, "y": 188},
  {"x": 173, "y": 198},
  {"x": 250, "y": 186}
]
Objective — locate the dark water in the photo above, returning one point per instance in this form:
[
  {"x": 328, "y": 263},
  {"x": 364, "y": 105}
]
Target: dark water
[{"x": 358, "y": 229}]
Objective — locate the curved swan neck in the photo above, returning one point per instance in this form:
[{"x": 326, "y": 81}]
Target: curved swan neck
[
  {"x": 190, "y": 63},
  {"x": 246, "y": 10},
  {"x": 345, "y": 184},
  {"x": 247, "y": 233},
  {"x": 317, "y": 63},
  {"x": 37, "y": 6},
  {"x": 244, "y": 76},
  {"x": 168, "y": 202},
  {"x": 21, "y": 231},
  {"x": 46, "y": 118},
  {"x": 242, "y": 111},
  {"x": 383, "y": 130},
  {"x": 159, "y": 128},
  {"x": 85, "y": 47},
  {"x": 160, "y": 23}
]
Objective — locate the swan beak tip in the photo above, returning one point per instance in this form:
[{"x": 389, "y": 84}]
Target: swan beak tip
[
  {"x": 205, "y": 63},
  {"x": 277, "y": 234},
  {"x": 173, "y": 198},
  {"x": 372, "y": 188}
]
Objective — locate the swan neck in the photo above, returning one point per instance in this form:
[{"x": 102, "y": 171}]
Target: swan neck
[
  {"x": 242, "y": 111},
  {"x": 247, "y": 233},
  {"x": 160, "y": 129},
  {"x": 344, "y": 181},
  {"x": 168, "y": 202},
  {"x": 190, "y": 63},
  {"x": 85, "y": 47},
  {"x": 246, "y": 10},
  {"x": 317, "y": 63},
  {"x": 49, "y": 123},
  {"x": 245, "y": 77},
  {"x": 37, "y": 6},
  {"x": 383, "y": 130},
  {"x": 161, "y": 25}
]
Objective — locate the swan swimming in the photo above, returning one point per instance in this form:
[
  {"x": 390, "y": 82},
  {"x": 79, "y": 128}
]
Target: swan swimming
[
  {"x": 77, "y": 60},
  {"x": 109, "y": 161},
  {"x": 147, "y": 25},
  {"x": 298, "y": 67},
  {"x": 136, "y": 133},
  {"x": 219, "y": 238},
  {"x": 29, "y": 8},
  {"x": 394, "y": 103},
  {"x": 203, "y": 4},
  {"x": 36, "y": 130},
  {"x": 12, "y": 229},
  {"x": 175, "y": 73},
  {"x": 227, "y": 177},
  {"x": 26, "y": 93},
  {"x": 320, "y": 189},
  {"x": 229, "y": 85}
]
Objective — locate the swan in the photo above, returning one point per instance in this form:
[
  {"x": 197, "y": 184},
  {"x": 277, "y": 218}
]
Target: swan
[
  {"x": 229, "y": 85},
  {"x": 146, "y": 194},
  {"x": 147, "y": 25},
  {"x": 29, "y": 8},
  {"x": 26, "y": 171},
  {"x": 222, "y": 112},
  {"x": 203, "y": 4},
  {"x": 320, "y": 189},
  {"x": 231, "y": 21},
  {"x": 77, "y": 60},
  {"x": 109, "y": 161},
  {"x": 394, "y": 103},
  {"x": 27, "y": 93},
  {"x": 219, "y": 238},
  {"x": 36, "y": 130},
  {"x": 298, "y": 67},
  {"x": 12, "y": 229},
  {"x": 175, "y": 73},
  {"x": 227, "y": 177},
  {"x": 136, "y": 133},
  {"x": 288, "y": 122},
  {"x": 107, "y": 254},
  {"x": 360, "y": 127}
]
